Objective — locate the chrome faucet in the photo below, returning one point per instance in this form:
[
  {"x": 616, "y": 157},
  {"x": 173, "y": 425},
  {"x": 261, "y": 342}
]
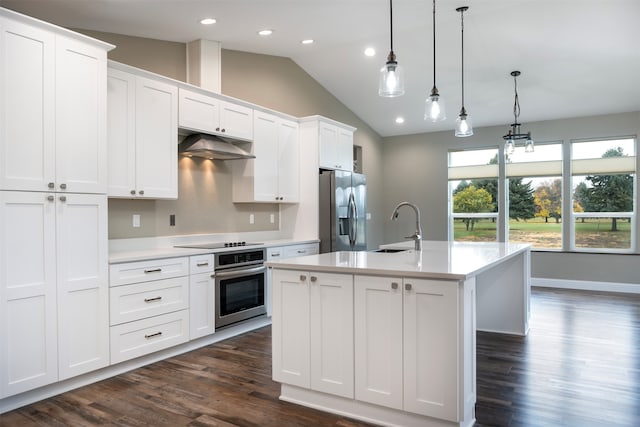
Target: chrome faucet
[{"x": 417, "y": 236}]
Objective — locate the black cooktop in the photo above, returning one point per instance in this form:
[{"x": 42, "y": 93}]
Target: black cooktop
[{"x": 218, "y": 245}]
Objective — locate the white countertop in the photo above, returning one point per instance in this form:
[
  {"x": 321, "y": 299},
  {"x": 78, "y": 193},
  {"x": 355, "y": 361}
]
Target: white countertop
[
  {"x": 437, "y": 260},
  {"x": 133, "y": 253}
]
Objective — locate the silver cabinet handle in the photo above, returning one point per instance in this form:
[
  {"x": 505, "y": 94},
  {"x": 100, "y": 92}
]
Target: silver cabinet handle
[
  {"x": 275, "y": 255},
  {"x": 51, "y": 185},
  {"x": 133, "y": 192},
  {"x": 153, "y": 270},
  {"x": 50, "y": 198},
  {"x": 223, "y": 130},
  {"x": 152, "y": 299},
  {"x": 407, "y": 286},
  {"x": 302, "y": 251},
  {"x": 303, "y": 278},
  {"x": 63, "y": 186},
  {"x": 217, "y": 129},
  {"x": 394, "y": 285},
  {"x": 157, "y": 334},
  {"x": 141, "y": 192},
  {"x": 314, "y": 278},
  {"x": 202, "y": 264},
  {"x": 63, "y": 198}
]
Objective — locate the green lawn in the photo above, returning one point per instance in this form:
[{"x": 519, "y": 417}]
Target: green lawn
[{"x": 592, "y": 233}]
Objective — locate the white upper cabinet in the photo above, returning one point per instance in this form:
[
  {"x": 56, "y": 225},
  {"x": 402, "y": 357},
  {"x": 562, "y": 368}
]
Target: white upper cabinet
[
  {"x": 335, "y": 147},
  {"x": 273, "y": 176},
  {"x": 143, "y": 136},
  {"x": 52, "y": 110},
  {"x": 199, "y": 112}
]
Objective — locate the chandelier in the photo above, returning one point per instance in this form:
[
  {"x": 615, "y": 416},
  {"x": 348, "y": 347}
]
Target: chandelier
[{"x": 515, "y": 134}]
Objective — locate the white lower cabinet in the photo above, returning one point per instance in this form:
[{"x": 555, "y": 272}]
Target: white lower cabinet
[
  {"x": 201, "y": 296},
  {"x": 53, "y": 288},
  {"x": 149, "y": 303},
  {"x": 406, "y": 344},
  {"x": 313, "y": 343},
  {"x": 280, "y": 252}
]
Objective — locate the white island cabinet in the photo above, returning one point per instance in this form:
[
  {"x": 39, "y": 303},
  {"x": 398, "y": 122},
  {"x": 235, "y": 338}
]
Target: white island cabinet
[{"x": 410, "y": 318}]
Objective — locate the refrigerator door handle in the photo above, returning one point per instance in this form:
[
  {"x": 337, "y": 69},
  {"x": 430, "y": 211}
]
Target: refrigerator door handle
[{"x": 353, "y": 220}]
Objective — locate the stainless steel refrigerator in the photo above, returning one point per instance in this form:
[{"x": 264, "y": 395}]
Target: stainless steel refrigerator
[{"x": 343, "y": 197}]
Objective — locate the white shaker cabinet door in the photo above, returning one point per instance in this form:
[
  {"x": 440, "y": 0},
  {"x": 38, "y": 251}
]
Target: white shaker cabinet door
[
  {"x": 331, "y": 331},
  {"x": 156, "y": 139},
  {"x": 201, "y": 305},
  {"x": 81, "y": 117},
  {"x": 236, "y": 121},
  {"x": 378, "y": 340},
  {"x": 27, "y": 99},
  {"x": 28, "y": 329},
  {"x": 198, "y": 112},
  {"x": 265, "y": 148},
  {"x": 291, "y": 357},
  {"x": 121, "y": 135},
  {"x": 288, "y": 161},
  {"x": 430, "y": 348},
  {"x": 83, "y": 275}
]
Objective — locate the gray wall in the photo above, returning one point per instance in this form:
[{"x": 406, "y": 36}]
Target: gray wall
[
  {"x": 204, "y": 204},
  {"x": 415, "y": 169}
]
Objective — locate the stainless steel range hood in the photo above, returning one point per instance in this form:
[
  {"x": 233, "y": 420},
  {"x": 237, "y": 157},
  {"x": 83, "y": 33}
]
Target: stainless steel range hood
[{"x": 212, "y": 147}]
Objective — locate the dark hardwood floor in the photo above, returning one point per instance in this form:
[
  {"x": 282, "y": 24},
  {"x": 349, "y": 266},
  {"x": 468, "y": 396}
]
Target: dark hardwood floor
[{"x": 579, "y": 366}]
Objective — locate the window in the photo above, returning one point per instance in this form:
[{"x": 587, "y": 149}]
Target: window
[
  {"x": 603, "y": 186},
  {"x": 572, "y": 195},
  {"x": 473, "y": 195},
  {"x": 535, "y": 196}
]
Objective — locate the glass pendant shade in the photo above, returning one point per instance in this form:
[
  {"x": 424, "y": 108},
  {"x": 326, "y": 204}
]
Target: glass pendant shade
[
  {"x": 464, "y": 127},
  {"x": 510, "y": 147},
  {"x": 435, "y": 107},
  {"x": 391, "y": 80},
  {"x": 528, "y": 146}
]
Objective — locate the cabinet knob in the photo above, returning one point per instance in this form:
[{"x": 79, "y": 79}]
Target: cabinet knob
[
  {"x": 141, "y": 192},
  {"x": 407, "y": 286},
  {"x": 51, "y": 185},
  {"x": 133, "y": 192},
  {"x": 314, "y": 279},
  {"x": 223, "y": 130},
  {"x": 394, "y": 285},
  {"x": 217, "y": 129},
  {"x": 50, "y": 198},
  {"x": 303, "y": 278},
  {"x": 63, "y": 198},
  {"x": 63, "y": 186}
]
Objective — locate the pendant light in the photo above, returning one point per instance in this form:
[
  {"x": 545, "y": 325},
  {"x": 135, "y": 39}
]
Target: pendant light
[
  {"x": 514, "y": 133},
  {"x": 391, "y": 75},
  {"x": 434, "y": 105},
  {"x": 463, "y": 122}
]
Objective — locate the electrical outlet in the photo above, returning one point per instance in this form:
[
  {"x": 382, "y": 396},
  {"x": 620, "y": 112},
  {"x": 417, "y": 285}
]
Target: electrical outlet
[
  {"x": 172, "y": 220},
  {"x": 136, "y": 220},
  {"x": 272, "y": 218},
  {"x": 368, "y": 216},
  {"x": 252, "y": 219}
]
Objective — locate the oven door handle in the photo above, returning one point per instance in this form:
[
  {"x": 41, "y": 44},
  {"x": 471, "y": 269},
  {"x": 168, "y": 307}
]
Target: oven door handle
[{"x": 239, "y": 272}]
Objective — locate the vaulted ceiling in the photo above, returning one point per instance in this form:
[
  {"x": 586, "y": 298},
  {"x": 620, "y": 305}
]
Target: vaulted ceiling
[{"x": 577, "y": 57}]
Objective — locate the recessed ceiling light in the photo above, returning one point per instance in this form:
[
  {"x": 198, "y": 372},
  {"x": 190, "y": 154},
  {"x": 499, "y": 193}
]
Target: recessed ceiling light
[
  {"x": 307, "y": 41},
  {"x": 399, "y": 120},
  {"x": 265, "y": 32},
  {"x": 370, "y": 51},
  {"x": 208, "y": 21}
]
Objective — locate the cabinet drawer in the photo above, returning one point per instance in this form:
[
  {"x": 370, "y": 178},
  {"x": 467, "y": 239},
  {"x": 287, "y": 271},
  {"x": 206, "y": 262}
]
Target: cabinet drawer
[
  {"x": 145, "y": 271},
  {"x": 140, "y": 300},
  {"x": 275, "y": 253},
  {"x": 201, "y": 264},
  {"x": 300, "y": 250},
  {"x": 135, "y": 339}
]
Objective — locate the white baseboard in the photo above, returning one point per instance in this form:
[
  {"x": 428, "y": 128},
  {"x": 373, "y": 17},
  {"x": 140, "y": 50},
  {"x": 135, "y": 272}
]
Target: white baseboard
[{"x": 627, "y": 288}]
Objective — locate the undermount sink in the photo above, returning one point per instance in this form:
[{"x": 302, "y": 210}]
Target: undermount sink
[{"x": 390, "y": 250}]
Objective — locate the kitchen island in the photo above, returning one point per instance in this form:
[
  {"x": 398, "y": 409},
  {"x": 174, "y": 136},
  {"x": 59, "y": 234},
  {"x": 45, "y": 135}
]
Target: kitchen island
[{"x": 389, "y": 337}]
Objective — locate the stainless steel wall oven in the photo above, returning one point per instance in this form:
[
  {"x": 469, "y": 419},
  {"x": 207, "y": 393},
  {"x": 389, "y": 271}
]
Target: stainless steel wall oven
[{"x": 240, "y": 278}]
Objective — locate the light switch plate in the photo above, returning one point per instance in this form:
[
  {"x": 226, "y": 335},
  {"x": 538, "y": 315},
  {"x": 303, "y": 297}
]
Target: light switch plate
[
  {"x": 136, "y": 220},
  {"x": 252, "y": 219}
]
